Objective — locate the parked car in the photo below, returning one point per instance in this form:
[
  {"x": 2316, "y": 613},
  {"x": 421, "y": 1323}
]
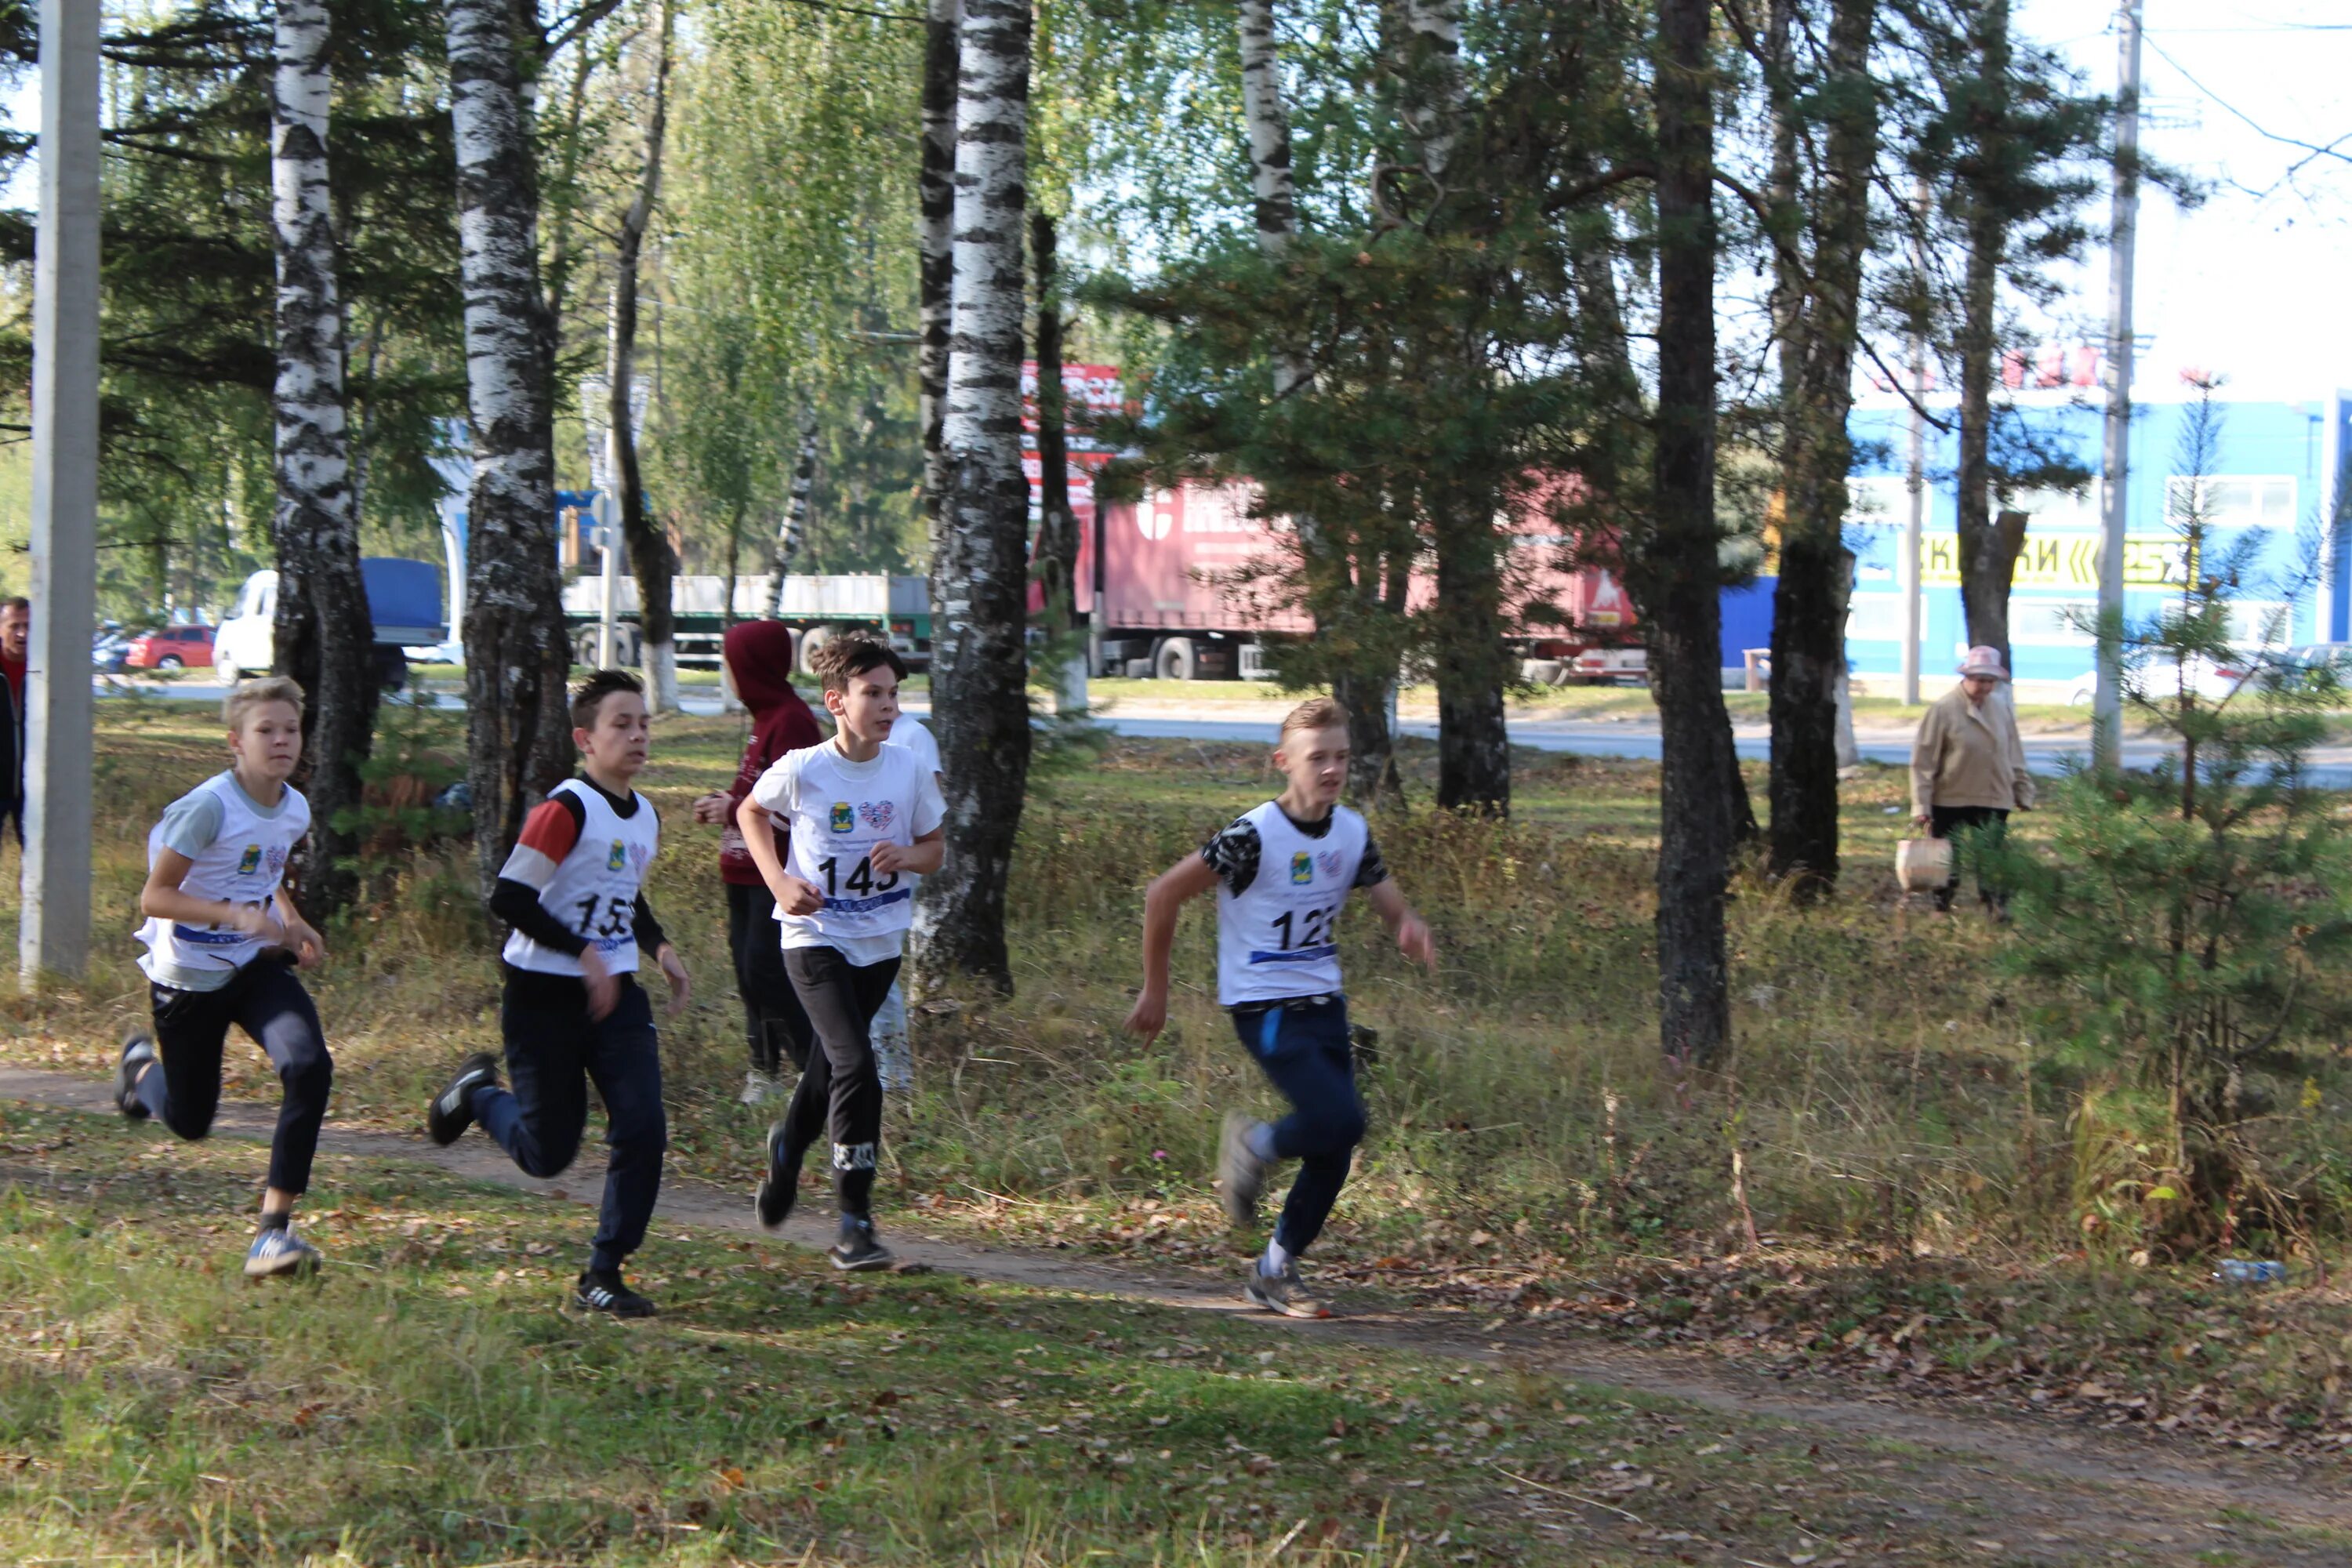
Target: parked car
[
  {"x": 107, "y": 649},
  {"x": 171, "y": 647},
  {"x": 2209, "y": 682}
]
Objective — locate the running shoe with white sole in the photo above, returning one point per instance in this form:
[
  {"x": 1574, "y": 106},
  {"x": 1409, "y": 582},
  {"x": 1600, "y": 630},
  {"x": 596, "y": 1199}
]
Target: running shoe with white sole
[
  {"x": 1241, "y": 1174},
  {"x": 452, "y": 1110},
  {"x": 602, "y": 1291},
  {"x": 1285, "y": 1293},
  {"x": 138, "y": 1051},
  {"x": 278, "y": 1250},
  {"x": 760, "y": 1088},
  {"x": 857, "y": 1251}
]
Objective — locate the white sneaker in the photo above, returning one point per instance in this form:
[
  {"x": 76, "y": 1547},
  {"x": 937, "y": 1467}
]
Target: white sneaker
[
  {"x": 279, "y": 1250},
  {"x": 758, "y": 1089}
]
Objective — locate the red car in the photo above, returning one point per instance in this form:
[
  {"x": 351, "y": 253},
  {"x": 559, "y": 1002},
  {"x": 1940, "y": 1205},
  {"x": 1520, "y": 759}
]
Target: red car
[{"x": 171, "y": 647}]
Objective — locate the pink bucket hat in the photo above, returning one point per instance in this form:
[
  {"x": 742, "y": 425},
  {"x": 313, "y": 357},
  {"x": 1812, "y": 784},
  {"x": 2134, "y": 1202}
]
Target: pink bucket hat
[{"x": 1984, "y": 661}]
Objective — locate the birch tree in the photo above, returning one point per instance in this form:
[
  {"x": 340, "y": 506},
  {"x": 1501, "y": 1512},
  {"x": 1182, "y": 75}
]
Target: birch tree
[
  {"x": 518, "y": 731},
  {"x": 322, "y": 634},
  {"x": 651, "y": 560},
  {"x": 980, "y": 572},
  {"x": 942, "y": 31},
  {"x": 1339, "y": 585}
]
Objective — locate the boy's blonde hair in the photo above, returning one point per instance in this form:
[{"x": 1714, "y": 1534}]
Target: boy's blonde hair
[
  {"x": 1315, "y": 713},
  {"x": 251, "y": 694}
]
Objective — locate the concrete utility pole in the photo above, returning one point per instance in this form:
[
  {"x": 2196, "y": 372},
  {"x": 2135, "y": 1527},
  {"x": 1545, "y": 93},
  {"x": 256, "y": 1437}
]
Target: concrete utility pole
[
  {"x": 2108, "y": 700},
  {"x": 54, "y": 933},
  {"x": 1916, "y": 525},
  {"x": 607, "y": 513}
]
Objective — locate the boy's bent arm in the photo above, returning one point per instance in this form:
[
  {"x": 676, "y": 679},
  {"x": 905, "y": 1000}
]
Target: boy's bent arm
[
  {"x": 1163, "y": 902},
  {"x": 1412, "y": 932},
  {"x": 163, "y": 900},
  {"x": 760, "y": 839},
  {"x": 926, "y": 855}
]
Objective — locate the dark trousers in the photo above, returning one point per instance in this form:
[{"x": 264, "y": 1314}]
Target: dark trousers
[
  {"x": 840, "y": 1089},
  {"x": 1965, "y": 825},
  {"x": 182, "y": 1090},
  {"x": 554, "y": 1051},
  {"x": 776, "y": 1024},
  {"x": 1303, "y": 1049}
]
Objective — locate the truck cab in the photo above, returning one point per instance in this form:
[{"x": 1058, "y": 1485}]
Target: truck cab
[{"x": 403, "y": 603}]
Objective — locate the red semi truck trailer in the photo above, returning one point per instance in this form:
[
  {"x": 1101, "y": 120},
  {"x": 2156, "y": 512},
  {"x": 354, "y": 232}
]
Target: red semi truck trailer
[{"x": 1165, "y": 582}]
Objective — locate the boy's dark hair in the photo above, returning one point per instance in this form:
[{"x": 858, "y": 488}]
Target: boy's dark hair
[
  {"x": 843, "y": 658},
  {"x": 17, "y": 602},
  {"x": 590, "y": 694}
]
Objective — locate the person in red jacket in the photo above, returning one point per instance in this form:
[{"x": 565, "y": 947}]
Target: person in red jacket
[{"x": 759, "y": 657}]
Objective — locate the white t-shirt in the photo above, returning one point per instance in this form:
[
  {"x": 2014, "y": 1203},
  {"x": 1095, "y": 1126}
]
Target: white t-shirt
[
  {"x": 834, "y": 811},
  {"x": 909, "y": 734},
  {"x": 237, "y": 850},
  {"x": 1278, "y": 930}
]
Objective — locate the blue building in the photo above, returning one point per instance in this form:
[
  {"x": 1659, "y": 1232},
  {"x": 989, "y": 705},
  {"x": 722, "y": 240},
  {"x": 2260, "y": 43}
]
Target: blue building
[{"x": 2272, "y": 474}]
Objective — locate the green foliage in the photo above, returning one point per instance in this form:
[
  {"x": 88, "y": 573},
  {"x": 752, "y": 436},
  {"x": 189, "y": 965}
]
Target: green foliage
[
  {"x": 2187, "y": 924},
  {"x": 400, "y": 815}
]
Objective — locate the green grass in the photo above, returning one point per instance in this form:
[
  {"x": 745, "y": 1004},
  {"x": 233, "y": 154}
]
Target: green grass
[
  {"x": 1887, "y": 1098},
  {"x": 424, "y": 1401}
]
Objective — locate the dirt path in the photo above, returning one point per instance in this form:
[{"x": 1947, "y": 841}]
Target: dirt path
[{"x": 2023, "y": 1492}]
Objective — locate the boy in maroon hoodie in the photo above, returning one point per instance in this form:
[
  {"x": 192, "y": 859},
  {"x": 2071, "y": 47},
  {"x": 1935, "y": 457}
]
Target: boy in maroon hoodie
[{"x": 759, "y": 657}]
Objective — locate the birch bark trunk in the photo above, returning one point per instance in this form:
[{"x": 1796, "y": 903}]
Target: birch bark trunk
[
  {"x": 651, "y": 560},
  {"x": 518, "y": 731},
  {"x": 981, "y": 572},
  {"x": 936, "y": 237},
  {"x": 1367, "y": 695},
  {"x": 323, "y": 634},
  {"x": 794, "y": 529}
]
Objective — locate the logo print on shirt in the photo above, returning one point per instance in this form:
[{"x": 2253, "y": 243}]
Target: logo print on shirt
[
  {"x": 877, "y": 813},
  {"x": 844, "y": 819},
  {"x": 1329, "y": 860},
  {"x": 1302, "y": 866},
  {"x": 276, "y": 859},
  {"x": 250, "y": 861},
  {"x": 617, "y": 857}
]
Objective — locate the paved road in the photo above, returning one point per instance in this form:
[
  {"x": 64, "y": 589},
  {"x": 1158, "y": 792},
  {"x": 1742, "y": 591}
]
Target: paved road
[{"x": 1636, "y": 738}]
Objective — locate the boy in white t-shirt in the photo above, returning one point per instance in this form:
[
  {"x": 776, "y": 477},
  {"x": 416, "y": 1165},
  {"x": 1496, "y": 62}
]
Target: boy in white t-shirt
[
  {"x": 221, "y": 933},
  {"x": 862, "y": 825},
  {"x": 1282, "y": 873}
]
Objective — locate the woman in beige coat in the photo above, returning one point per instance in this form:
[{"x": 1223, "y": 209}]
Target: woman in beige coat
[{"x": 1968, "y": 767}]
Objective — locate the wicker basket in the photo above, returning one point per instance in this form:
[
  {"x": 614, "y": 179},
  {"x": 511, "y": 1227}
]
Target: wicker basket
[{"x": 1923, "y": 865}]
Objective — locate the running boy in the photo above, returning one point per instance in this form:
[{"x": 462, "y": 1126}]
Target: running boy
[
  {"x": 863, "y": 822},
  {"x": 221, "y": 932},
  {"x": 1282, "y": 872},
  {"x": 572, "y": 1011}
]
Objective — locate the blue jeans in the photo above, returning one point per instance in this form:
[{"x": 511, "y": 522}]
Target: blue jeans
[
  {"x": 553, "y": 1051},
  {"x": 1303, "y": 1049}
]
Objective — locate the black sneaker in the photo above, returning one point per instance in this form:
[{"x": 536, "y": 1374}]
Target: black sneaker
[
  {"x": 137, "y": 1052},
  {"x": 857, "y": 1251},
  {"x": 779, "y": 1186},
  {"x": 1241, "y": 1175},
  {"x": 601, "y": 1290},
  {"x": 452, "y": 1110}
]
